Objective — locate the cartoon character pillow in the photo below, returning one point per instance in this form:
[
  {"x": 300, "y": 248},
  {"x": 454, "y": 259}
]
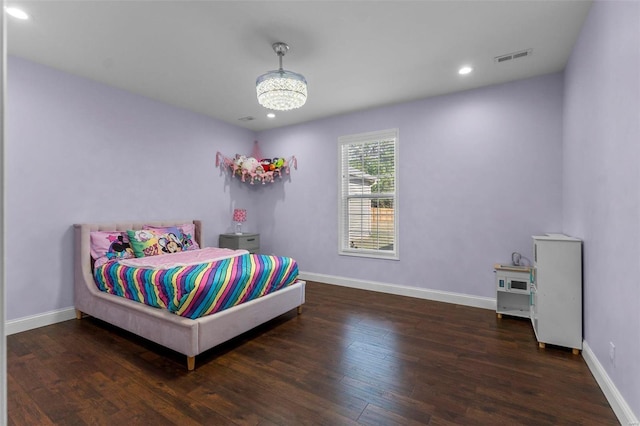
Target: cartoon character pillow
[
  {"x": 188, "y": 231},
  {"x": 152, "y": 242},
  {"x": 108, "y": 245}
]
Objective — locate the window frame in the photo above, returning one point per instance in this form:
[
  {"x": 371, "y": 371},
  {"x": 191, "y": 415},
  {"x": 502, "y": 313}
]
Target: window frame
[{"x": 343, "y": 199}]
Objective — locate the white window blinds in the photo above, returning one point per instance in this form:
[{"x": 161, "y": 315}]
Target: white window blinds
[{"x": 368, "y": 204}]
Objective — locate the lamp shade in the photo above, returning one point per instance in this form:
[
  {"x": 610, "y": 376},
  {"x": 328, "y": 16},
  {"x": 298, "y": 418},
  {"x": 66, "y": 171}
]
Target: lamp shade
[{"x": 239, "y": 215}]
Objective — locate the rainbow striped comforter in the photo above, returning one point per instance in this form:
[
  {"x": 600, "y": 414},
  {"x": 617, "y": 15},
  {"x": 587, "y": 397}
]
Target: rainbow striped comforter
[{"x": 197, "y": 290}]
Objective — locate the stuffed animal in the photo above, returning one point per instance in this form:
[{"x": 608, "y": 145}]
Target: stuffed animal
[
  {"x": 278, "y": 162},
  {"x": 249, "y": 165},
  {"x": 239, "y": 160},
  {"x": 265, "y": 163}
]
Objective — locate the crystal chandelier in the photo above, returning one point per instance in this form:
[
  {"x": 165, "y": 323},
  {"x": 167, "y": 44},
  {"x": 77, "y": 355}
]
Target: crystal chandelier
[{"x": 281, "y": 90}]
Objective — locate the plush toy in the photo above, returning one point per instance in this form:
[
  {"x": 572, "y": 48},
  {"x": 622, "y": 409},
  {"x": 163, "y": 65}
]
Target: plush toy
[
  {"x": 237, "y": 163},
  {"x": 278, "y": 162},
  {"x": 265, "y": 163},
  {"x": 239, "y": 160},
  {"x": 249, "y": 165}
]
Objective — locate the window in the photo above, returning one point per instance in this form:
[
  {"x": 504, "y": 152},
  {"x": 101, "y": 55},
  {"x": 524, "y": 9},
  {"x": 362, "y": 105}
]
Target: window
[{"x": 368, "y": 204}]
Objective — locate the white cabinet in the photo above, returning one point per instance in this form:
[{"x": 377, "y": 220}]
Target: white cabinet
[{"x": 556, "y": 291}]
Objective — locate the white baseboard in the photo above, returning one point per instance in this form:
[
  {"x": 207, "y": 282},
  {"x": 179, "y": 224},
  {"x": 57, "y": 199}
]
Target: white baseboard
[
  {"x": 400, "y": 290},
  {"x": 28, "y": 323},
  {"x": 616, "y": 401}
]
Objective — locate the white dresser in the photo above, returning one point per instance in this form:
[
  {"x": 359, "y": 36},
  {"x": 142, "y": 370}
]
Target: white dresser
[{"x": 556, "y": 291}]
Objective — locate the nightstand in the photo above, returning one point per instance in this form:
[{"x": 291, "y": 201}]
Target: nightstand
[{"x": 249, "y": 242}]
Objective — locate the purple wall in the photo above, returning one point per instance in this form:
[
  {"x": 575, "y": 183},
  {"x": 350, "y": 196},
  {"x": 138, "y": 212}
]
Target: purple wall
[
  {"x": 79, "y": 151},
  {"x": 601, "y": 170},
  {"x": 480, "y": 173}
]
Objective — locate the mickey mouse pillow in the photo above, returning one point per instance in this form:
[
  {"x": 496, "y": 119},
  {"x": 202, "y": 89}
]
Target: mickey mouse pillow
[
  {"x": 108, "y": 245},
  {"x": 152, "y": 242}
]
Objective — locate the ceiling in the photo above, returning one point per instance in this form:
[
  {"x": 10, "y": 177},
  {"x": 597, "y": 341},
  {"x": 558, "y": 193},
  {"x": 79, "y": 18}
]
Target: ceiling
[{"x": 205, "y": 55}]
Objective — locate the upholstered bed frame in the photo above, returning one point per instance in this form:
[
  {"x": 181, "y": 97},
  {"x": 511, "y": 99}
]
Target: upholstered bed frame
[{"x": 184, "y": 335}]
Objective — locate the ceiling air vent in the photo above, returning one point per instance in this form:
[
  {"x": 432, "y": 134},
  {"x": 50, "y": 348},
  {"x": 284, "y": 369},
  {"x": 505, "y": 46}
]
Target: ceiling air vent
[
  {"x": 511, "y": 56},
  {"x": 247, "y": 118}
]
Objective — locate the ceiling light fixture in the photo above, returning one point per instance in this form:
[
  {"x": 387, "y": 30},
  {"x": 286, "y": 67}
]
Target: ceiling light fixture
[
  {"x": 465, "y": 70},
  {"x": 17, "y": 13},
  {"x": 280, "y": 89},
  {"x": 271, "y": 115}
]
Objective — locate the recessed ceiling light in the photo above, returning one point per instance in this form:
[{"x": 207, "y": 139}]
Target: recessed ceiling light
[
  {"x": 465, "y": 70},
  {"x": 271, "y": 115},
  {"x": 17, "y": 13}
]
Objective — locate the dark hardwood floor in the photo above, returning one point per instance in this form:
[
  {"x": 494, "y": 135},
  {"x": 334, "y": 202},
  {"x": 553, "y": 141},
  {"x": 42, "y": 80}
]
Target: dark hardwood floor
[{"x": 352, "y": 357}]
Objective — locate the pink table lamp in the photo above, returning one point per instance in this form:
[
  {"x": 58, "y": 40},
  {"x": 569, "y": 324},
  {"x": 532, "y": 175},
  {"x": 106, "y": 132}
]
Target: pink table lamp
[{"x": 239, "y": 216}]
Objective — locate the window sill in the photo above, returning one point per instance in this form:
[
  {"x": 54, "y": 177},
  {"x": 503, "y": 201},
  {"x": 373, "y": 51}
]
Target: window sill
[{"x": 370, "y": 254}]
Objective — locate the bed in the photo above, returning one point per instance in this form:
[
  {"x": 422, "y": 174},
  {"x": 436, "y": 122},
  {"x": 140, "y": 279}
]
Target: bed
[{"x": 188, "y": 336}]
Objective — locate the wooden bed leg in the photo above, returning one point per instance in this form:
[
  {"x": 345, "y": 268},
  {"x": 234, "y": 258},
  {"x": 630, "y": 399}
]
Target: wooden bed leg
[
  {"x": 78, "y": 314},
  {"x": 191, "y": 363},
  {"x": 300, "y": 310},
  {"x": 541, "y": 345},
  {"x": 575, "y": 351}
]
